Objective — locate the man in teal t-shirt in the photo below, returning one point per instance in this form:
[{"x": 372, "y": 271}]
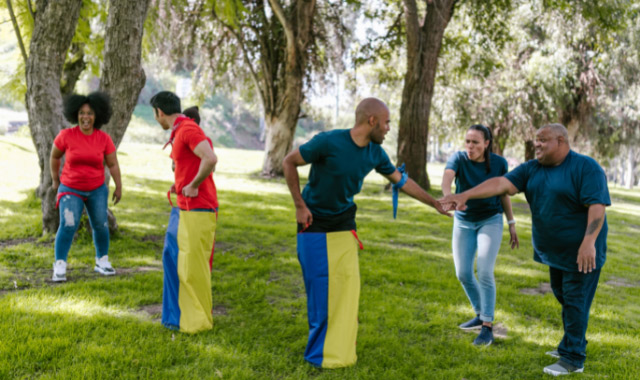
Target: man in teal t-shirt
[
  {"x": 340, "y": 160},
  {"x": 567, "y": 193}
]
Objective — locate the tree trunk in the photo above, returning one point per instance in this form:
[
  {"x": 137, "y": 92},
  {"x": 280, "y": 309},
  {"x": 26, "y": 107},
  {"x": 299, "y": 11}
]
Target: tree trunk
[
  {"x": 282, "y": 104},
  {"x": 280, "y": 132},
  {"x": 73, "y": 68},
  {"x": 629, "y": 179},
  {"x": 54, "y": 27},
  {"x": 122, "y": 76},
  {"x": 424, "y": 39}
]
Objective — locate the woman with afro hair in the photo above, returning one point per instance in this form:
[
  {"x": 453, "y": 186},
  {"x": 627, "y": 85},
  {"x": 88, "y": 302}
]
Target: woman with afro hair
[{"x": 82, "y": 184}]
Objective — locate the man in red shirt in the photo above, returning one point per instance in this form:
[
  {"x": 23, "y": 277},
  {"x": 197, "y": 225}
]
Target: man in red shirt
[{"x": 189, "y": 244}]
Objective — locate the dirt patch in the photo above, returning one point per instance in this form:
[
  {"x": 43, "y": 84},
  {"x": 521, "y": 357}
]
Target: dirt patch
[
  {"x": 41, "y": 277},
  {"x": 219, "y": 310},
  {"x": 12, "y": 242},
  {"x": 621, "y": 283},
  {"x": 153, "y": 238},
  {"x": 543, "y": 289}
]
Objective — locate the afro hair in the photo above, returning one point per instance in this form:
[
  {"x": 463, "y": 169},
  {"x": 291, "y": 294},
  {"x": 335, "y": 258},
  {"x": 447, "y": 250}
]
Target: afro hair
[{"x": 99, "y": 103}]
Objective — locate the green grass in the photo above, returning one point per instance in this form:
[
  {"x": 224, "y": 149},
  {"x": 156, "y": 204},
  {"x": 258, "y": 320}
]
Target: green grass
[{"x": 96, "y": 327}]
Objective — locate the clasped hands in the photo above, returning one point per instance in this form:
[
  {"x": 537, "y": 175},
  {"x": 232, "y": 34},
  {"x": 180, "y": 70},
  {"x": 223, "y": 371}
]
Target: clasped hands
[{"x": 453, "y": 202}]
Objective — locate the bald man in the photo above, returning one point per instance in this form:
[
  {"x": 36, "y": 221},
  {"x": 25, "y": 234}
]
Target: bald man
[
  {"x": 567, "y": 194},
  {"x": 325, "y": 214}
]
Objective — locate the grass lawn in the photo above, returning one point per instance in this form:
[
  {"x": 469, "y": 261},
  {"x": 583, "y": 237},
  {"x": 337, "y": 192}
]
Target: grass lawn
[{"x": 411, "y": 302}]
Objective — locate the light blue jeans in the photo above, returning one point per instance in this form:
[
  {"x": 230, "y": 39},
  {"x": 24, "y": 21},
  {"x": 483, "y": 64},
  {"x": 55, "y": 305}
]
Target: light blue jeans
[
  {"x": 71, "y": 207},
  {"x": 484, "y": 237}
]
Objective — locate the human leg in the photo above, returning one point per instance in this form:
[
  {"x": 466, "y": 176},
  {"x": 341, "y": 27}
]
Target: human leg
[
  {"x": 96, "y": 204},
  {"x": 488, "y": 239},
  {"x": 463, "y": 244},
  {"x": 578, "y": 292},
  {"x": 70, "y": 207}
]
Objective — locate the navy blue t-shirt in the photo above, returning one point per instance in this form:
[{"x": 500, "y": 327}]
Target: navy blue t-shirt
[
  {"x": 470, "y": 174},
  {"x": 338, "y": 168},
  {"x": 559, "y": 197}
]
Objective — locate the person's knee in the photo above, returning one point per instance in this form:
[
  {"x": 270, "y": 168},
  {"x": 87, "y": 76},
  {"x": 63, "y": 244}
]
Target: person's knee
[{"x": 465, "y": 276}]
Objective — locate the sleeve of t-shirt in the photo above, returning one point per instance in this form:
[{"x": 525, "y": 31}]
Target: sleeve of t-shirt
[
  {"x": 452, "y": 162},
  {"x": 594, "y": 188},
  {"x": 519, "y": 176},
  {"x": 385, "y": 166},
  {"x": 192, "y": 136},
  {"x": 60, "y": 141},
  {"x": 312, "y": 150},
  {"x": 109, "y": 145}
]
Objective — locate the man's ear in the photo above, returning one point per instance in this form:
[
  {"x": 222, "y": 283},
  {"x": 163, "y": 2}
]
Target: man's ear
[{"x": 372, "y": 120}]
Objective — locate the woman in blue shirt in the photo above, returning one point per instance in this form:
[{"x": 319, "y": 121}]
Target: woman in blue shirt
[{"x": 479, "y": 227}]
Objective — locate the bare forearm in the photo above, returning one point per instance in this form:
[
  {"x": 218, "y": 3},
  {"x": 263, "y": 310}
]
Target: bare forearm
[
  {"x": 595, "y": 220},
  {"x": 293, "y": 183},
  {"x": 115, "y": 174},
  {"x": 506, "y": 206},
  {"x": 414, "y": 190},
  {"x": 447, "y": 179},
  {"x": 54, "y": 165},
  {"x": 490, "y": 188},
  {"x": 205, "y": 169}
]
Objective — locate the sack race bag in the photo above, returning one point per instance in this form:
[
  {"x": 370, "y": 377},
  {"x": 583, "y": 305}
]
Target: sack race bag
[
  {"x": 331, "y": 274},
  {"x": 187, "y": 258}
]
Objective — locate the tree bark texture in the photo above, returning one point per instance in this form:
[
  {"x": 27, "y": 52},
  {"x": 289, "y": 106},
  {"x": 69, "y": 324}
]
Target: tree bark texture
[
  {"x": 424, "y": 39},
  {"x": 122, "y": 76},
  {"x": 54, "y": 27},
  {"x": 282, "y": 93}
]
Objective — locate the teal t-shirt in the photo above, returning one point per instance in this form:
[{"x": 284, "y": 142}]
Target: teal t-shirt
[
  {"x": 338, "y": 168},
  {"x": 470, "y": 174},
  {"x": 559, "y": 197}
]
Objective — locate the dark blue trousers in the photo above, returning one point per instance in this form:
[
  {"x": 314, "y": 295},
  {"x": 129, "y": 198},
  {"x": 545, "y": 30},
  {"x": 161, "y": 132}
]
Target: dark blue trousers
[{"x": 574, "y": 291}]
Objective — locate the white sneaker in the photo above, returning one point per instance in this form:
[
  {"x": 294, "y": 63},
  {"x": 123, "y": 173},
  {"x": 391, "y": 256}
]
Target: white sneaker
[
  {"x": 59, "y": 271},
  {"x": 103, "y": 266}
]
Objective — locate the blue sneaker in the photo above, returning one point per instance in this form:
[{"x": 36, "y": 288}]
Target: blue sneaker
[
  {"x": 485, "y": 338},
  {"x": 472, "y": 324}
]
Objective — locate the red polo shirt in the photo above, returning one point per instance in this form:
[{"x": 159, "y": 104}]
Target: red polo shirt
[{"x": 185, "y": 137}]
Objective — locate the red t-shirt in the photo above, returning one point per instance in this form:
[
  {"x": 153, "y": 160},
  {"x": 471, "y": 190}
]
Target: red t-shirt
[
  {"x": 84, "y": 157},
  {"x": 186, "y": 137}
]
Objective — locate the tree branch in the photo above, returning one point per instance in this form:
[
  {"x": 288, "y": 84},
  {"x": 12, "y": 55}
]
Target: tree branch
[
  {"x": 16, "y": 28},
  {"x": 33, "y": 13},
  {"x": 286, "y": 25}
]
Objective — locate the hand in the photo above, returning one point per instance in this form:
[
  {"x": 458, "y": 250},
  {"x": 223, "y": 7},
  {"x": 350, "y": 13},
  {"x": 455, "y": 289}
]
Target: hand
[
  {"x": 173, "y": 189},
  {"x": 586, "y": 257},
  {"x": 189, "y": 191},
  {"x": 444, "y": 210},
  {"x": 55, "y": 184},
  {"x": 117, "y": 194},
  {"x": 451, "y": 201},
  {"x": 303, "y": 216},
  {"x": 513, "y": 241}
]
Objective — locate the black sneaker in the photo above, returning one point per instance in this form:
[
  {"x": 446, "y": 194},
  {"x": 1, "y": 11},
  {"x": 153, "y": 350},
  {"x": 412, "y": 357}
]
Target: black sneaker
[
  {"x": 562, "y": 368},
  {"x": 472, "y": 324},
  {"x": 485, "y": 338}
]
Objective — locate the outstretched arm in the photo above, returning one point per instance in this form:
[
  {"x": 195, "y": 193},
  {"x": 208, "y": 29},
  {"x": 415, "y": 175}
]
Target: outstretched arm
[
  {"x": 489, "y": 188},
  {"x": 415, "y": 191},
  {"x": 587, "y": 252},
  {"x": 290, "y": 167}
]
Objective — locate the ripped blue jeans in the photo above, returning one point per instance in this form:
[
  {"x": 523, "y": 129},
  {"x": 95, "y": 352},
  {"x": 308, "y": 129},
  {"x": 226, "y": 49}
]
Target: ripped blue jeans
[{"x": 71, "y": 207}]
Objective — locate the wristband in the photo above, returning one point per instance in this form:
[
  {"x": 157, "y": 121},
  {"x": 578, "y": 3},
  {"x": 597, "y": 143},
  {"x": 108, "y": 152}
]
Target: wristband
[{"x": 510, "y": 222}]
